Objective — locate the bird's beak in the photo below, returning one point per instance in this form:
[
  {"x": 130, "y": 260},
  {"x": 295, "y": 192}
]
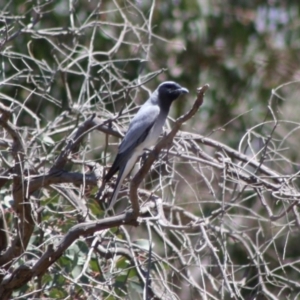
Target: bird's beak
[{"x": 184, "y": 90}]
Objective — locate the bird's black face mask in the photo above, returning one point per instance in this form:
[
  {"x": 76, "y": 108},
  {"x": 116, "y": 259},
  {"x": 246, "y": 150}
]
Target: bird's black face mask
[{"x": 170, "y": 91}]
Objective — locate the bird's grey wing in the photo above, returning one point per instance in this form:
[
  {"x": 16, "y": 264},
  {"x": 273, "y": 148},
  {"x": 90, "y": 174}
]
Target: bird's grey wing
[
  {"x": 140, "y": 126},
  {"x": 137, "y": 132},
  {"x": 120, "y": 161}
]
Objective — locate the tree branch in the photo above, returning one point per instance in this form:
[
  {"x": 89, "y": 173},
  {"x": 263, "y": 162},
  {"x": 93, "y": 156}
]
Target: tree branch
[
  {"x": 23, "y": 274},
  {"x": 24, "y": 223}
]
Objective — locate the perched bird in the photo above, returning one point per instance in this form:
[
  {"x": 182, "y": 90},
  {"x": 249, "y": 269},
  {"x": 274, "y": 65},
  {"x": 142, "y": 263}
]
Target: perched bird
[{"x": 143, "y": 132}]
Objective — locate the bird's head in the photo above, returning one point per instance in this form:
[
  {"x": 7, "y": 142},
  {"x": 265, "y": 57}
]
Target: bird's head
[{"x": 169, "y": 91}]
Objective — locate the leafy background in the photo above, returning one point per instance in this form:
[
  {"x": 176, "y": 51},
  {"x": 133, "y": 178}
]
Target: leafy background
[{"x": 63, "y": 61}]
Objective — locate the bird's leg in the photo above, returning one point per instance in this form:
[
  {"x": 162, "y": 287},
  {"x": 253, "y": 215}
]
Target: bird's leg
[
  {"x": 143, "y": 158},
  {"x": 145, "y": 155}
]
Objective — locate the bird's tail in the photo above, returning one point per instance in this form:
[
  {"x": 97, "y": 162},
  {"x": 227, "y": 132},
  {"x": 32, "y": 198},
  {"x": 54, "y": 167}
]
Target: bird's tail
[
  {"x": 120, "y": 179},
  {"x": 123, "y": 172}
]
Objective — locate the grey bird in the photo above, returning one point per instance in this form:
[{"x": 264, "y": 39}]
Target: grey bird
[{"x": 143, "y": 132}]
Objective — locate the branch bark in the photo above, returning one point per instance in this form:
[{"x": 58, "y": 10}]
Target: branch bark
[
  {"x": 24, "y": 273},
  {"x": 24, "y": 222}
]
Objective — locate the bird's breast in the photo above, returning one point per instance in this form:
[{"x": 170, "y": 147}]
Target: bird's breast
[{"x": 154, "y": 133}]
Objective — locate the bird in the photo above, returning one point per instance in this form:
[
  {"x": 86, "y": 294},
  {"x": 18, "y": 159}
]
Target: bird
[{"x": 143, "y": 132}]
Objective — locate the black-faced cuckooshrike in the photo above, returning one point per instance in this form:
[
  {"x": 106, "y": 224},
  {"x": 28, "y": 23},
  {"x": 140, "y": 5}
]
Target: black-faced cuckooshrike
[{"x": 143, "y": 132}]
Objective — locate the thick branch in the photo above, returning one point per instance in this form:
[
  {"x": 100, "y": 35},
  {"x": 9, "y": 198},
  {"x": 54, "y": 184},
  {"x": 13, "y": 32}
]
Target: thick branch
[
  {"x": 61, "y": 176},
  {"x": 52, "y": 254},
  {"x": 24, "y": 224}
]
